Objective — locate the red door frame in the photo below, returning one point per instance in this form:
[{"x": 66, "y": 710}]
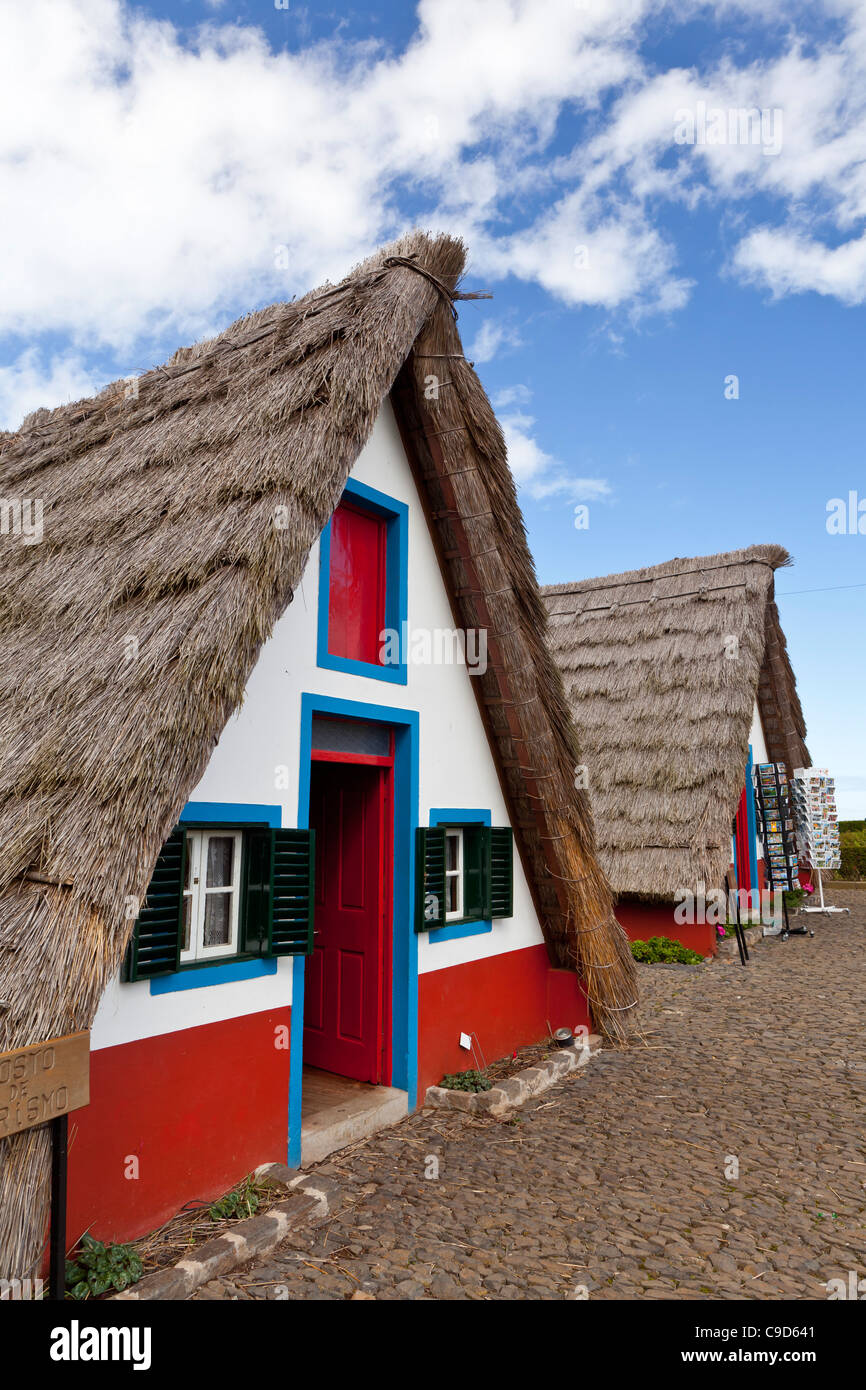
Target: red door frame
[{"x": 386, "y": 877}]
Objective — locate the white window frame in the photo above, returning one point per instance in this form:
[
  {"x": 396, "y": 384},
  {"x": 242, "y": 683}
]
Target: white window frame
[
  {"x": 197, "y": 842},
  {"x": 456, "y": 833}
]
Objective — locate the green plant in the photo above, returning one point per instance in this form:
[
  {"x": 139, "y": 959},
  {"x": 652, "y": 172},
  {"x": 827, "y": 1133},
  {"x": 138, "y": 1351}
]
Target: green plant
[
  {"x": 241, "y": 1201},
  {"x": 663, "y": 949},
  {"x": 466, "y": 1081},
  {"x": 793, "y": 899},
  {"x": 95, "y": 1268}
]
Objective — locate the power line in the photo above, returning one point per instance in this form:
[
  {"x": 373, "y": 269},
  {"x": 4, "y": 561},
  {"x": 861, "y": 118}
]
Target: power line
[{"x": 831, "y": 588}]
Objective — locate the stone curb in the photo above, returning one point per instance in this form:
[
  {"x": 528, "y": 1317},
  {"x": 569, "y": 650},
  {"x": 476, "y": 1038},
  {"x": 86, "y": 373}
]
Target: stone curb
[
  {"x": 311, "y": 1200},
  {"x": 672, "y": 964},
  {"x": 754, "y": 935},
  {"x": 517, "y": 1089}
]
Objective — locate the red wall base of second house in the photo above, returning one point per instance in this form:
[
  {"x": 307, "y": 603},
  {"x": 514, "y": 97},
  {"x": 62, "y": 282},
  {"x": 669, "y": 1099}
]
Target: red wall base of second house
[
  {"x": 506, "y": 1001},
  {"x": 642, "y": 920},
  {"x": 174, "y": 1119}
]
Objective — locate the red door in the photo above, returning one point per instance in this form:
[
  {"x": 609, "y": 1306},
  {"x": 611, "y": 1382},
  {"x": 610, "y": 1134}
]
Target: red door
[{"x": 343, "y": 990}]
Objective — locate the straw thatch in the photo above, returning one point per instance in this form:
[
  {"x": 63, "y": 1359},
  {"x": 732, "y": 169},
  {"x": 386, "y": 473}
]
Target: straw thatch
[
  {"x": 159, "y": 509},
  {"x": 662, "y": 667}
]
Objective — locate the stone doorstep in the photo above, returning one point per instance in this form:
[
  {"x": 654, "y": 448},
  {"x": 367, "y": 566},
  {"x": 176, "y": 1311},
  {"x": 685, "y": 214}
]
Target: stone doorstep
[
  {"x": 518, "y": 1089},
  {"x": 312, "y": 1198}
]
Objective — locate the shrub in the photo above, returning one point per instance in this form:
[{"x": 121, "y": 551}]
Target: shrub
[
  {"x": 95, "y": 1268},
  {"x": 242, "y": 1201},
  {"x": 663, "y": 949},
  {"x": 466, "y": 1081},
  {"x": 852, "y": 845}
]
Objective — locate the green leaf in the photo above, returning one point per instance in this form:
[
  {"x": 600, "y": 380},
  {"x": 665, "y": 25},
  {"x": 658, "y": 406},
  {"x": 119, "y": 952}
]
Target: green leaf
[{"x": 81, "y": 1290}]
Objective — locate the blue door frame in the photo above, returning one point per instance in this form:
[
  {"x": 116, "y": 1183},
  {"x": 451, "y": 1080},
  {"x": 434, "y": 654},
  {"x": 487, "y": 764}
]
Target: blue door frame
[{"x": 404, "y": 1005}]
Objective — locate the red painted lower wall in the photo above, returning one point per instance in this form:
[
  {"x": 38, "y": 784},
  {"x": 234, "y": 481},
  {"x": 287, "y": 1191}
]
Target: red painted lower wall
[
  {"x": 642, "y": 920},
  {"x": 198, "y": 1109},
  {"x": 506, "y": 1000}
]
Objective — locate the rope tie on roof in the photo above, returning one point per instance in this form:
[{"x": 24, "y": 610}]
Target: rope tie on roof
[
  {"x": 411, "y": 263},
  {"x": 581, "y": 613}
]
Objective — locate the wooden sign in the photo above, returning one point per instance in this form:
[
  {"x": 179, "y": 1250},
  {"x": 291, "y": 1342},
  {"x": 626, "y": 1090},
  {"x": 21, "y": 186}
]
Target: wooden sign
[{"x": 40, "y": 1082}]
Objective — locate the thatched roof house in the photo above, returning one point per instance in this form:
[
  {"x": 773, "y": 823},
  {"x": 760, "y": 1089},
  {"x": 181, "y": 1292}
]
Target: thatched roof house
[
  {"x": 662, "y": 669},
  {"x": 159, "y": 503}
]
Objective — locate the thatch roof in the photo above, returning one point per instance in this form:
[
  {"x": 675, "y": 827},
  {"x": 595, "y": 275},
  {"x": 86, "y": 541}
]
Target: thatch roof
[
  {"x": 159, "y": 522},
  {"x": 662, "y": 667}
]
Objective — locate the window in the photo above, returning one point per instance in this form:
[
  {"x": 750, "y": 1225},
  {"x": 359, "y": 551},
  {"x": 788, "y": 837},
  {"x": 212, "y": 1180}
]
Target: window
[
  {"x": 356, "y": 597},
  {"x": 211, "y": 896},
  {"x": 363, "y": 559},
  {"x": 453, "y": 875},
  {"x": 221, "y": 893},
  {"x": 464, "y": 874}
]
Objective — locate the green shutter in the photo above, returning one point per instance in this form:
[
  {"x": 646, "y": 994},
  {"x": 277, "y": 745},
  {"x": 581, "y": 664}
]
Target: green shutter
[
  {"x": 154, "y": 948},
  {"x": 293, "y": 880},
  {"x": 429, "y": 878},
  {"x": 501, "y": 872},
  {"x": 256, "y": 900},
  {"x": 475, "y": 872}
]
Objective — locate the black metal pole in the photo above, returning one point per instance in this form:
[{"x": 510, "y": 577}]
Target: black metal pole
[
  {"x": 59, "y": 1146},
  {"x": 741, "y": 941},
  {"x": 740, "y": 931}
]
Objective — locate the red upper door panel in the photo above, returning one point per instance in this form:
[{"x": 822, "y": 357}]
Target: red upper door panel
[{"x": 356, "y": 612}]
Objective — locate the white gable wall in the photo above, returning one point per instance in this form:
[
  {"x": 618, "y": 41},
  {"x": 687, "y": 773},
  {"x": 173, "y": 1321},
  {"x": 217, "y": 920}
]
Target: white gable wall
[{"x": 456, "y": 764}]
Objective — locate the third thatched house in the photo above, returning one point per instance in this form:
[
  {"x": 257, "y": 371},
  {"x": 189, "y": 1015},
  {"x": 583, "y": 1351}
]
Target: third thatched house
[{"x": 678, "y": 678}]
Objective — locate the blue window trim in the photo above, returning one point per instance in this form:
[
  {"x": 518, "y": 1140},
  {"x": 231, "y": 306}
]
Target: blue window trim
[
  {"x": 232, "y": 813},
  {"x": 221, "y": 813},
  {"x": 396, "y": 584},
  {"x": 404, "y": 974},
  {"x": 213, "y": 975},
  {"x": 449, "y": 815}
]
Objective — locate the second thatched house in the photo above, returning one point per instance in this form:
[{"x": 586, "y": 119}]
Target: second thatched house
[
  {"x": 278, "y": 653},
  {"x": 679, "y": 680}
]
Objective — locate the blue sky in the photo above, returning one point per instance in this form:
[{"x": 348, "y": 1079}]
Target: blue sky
[{"x": 167, "y": 151}]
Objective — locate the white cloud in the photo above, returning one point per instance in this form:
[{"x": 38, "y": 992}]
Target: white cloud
[
  {"x": 490, "y": 338},
  {"x": 29, "y": 382},
  {"x": 511, "y": 395},
  {"x": 541, "y": 475},
  {"x": 788, "y": 263},
  {"x": 149, "y": 177},
  {"x": 153, "y": 179}
]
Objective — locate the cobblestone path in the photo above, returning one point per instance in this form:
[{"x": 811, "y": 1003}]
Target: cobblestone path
[{"x": 618, "y": 1182}]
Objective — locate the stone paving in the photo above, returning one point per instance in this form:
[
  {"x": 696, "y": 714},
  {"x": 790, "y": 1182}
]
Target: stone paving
[{"x": 720, "y": 1156}]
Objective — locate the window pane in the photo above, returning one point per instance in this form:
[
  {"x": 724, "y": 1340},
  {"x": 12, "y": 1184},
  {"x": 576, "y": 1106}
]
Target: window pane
[
  {"x": 351, "y": 736},
  {"x": 356, "y": 597},
  {"x": 220, "y": 857},
  {"x": 452, "y": 899},
  {"x": 217, "y": 919},
  {"x": 187, "y": 921},
  {"x": 452, "y": 846}
]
